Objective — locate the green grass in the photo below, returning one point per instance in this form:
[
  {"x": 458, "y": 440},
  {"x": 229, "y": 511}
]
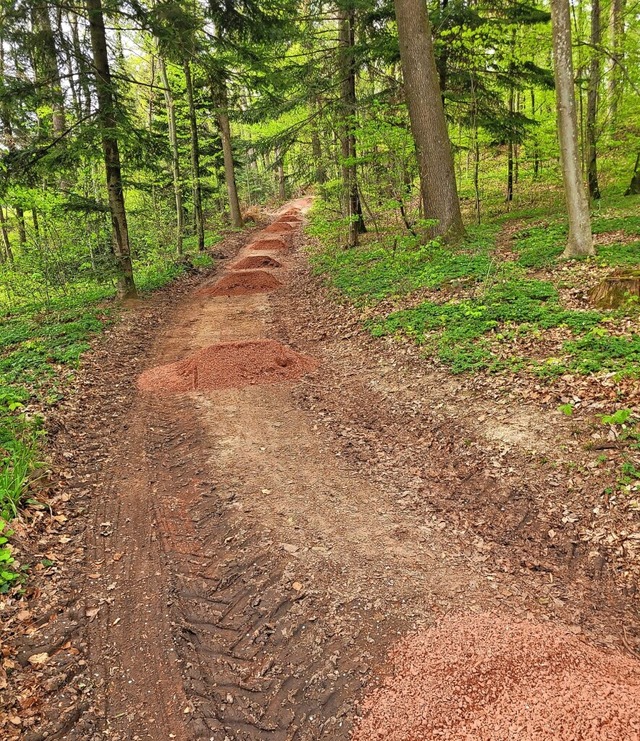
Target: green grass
[
  {"x": 469, "y": 330},
  {"x": 397, "y": 266}
]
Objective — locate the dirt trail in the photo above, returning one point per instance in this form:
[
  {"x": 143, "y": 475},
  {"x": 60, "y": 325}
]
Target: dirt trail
[
  {"x": 246, "y": 571},
  {"x": 272, "y": 576}
]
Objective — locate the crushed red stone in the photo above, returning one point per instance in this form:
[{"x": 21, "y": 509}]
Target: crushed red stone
[
  {"x": 241, "y": 284},
  {"x": 229, "y": 365},
  {"x": 279, "y": 226},
  {"x": 269, "y": 243},
  {"x": 256, "y": 261},
  {"x": 489, "y": 678}
]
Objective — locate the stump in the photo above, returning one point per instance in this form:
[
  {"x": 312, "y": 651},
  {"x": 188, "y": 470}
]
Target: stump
[{"x": 615, "y": 290}]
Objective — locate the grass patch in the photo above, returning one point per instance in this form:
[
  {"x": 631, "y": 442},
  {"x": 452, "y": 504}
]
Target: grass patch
[{"x": 457, "y": 332}]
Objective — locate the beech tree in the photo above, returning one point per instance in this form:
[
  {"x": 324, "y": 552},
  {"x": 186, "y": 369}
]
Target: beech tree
[
  {"x": 109, "y": 135},
  {"x": 428, "y": 124},
  {"x": 580, "y": 241}
]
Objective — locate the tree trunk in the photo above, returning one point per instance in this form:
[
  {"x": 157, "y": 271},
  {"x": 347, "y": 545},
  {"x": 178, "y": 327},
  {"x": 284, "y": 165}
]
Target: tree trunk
[
  {"x": 195, "y": 159},
  {"x": 46, "y": 63},
  {"x": 347, "y": 66},
  {"x": 175, "y": 154},
  {"x": 316, "y": 147},
  {"x": 592, "y": 101},
  {"x": 222, "y": 104},
  {"x": 428, "y": 124},
  {"x": 7, "y": 254},
  {"x": 634, "y": 185},
  {"x": 615, "y": 78},
  {"x": 22, "y": 232},
  {"x": 580, "y": 241},
  {"x": 109, "y": 135}
]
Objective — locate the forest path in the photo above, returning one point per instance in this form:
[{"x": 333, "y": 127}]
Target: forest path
[
  {"x": 254, "y": 577},
  {"x": 251, "y": 553}
]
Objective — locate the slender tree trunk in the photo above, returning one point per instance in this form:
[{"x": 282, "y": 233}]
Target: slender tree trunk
[
  {"x": 22, "y": 232},
  {"x": 592, "y": 102},
  {"x": 109, "y": 135},
  {"x": 347, "y": 66},
  {"x": 7, "y": 253},
  {"x": 175, "y": 154},
  {"x": 46, "y": 63},
  {"x": 36, "y": 223},
  {"x": 316, "y": 147},
  {"x": 195, "y": 159},
  {"x": 428, "y": 124},
  {"x": 580, "y": 241},
  {"x": 222, "y": 104},
  {"x": 634, "y": 185},
  {"x": 536, "y": 149},
  {"x": 615, "y": 78}
]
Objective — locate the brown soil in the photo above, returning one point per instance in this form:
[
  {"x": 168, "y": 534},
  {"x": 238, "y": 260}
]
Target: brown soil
[
  {"x": 242, "y": 284},
  {"x": 256, "y": 261},
  {"x": 237, "y": 563},
  {"x": 490, "y": 678},
  {"x": 272, "y": 243},
  {"x": 229, "y": 365}
]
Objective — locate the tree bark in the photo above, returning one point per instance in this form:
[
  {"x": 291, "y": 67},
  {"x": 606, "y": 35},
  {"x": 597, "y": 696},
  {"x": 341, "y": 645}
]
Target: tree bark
[
  {"x": 428, "y": 124},
  {"x": 195, "y": 159},
  {"x": 634, "y": 185},
  {"x": 580, "y": 241},
  {"x": 615, "y": 78},
  {"x": 347, "y": 65},
  {"x": 175, "y": 154},
  {"x": 7, "y": 254},
  {"x": 592, "y": 102},
  {"x": 46, "y": 63},
  {"x": 109, "y": 135},
  {"x": 222, "y": 104}
]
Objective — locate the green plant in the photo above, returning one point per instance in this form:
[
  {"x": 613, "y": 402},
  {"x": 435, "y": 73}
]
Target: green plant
[
  {"x": 617, "y": 418},
  {"x": 7, "y": 575},
  {"x": 566, "y": 409}
]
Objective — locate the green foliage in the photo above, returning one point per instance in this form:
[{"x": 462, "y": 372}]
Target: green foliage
[
  {"x": 617, "y": 418},
  {"x": 566, "y": 409},
  {"x": 459, "y": 329},
  {"x": 7, "y": 574},
  {"x": 396, "y": 265}
]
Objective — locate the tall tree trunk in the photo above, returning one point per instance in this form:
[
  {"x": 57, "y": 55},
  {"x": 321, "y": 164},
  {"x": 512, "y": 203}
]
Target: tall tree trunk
[
  {"x": 536, "y": 148},
  {"x": 580, "y": 241},
  {"x": 428, "y": 124},
  {"x": 615, "y": 78},
  {"x": 46, "y": 63},
  {"x": 109, "y": 135},
  {"x": 316, "y": 146},
  {"x": 222, "y": 104},
  {"x": 347, "y": 64},
  {"x": 592, "y": 101},
  {"x": 195, "y": 159},
  {"x": 175, "y": 154}
]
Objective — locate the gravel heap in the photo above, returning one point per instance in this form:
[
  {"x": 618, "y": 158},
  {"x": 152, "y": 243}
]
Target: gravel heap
[
  {"x": 241, "y": 284},
  {"x": 489, "y": 678},
  {"x": 229, "y": 365}
]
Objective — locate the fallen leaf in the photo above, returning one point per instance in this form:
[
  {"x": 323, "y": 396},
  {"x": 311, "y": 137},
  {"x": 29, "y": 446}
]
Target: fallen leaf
[{"x": 39, "y": 659}]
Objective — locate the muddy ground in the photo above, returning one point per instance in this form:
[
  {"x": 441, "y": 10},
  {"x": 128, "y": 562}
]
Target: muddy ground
[{"x": 235, "y": 563}]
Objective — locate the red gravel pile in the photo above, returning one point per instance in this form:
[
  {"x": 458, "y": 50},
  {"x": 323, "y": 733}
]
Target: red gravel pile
[
  {"x": 256, "y": 261},
  {"x": 487, "y": 678},
  {"x": 278, "y": 227},
  {"x": 241, "y": 284},
  {"x": 270, "y": 243},
  {"x": 229, "y": 365}
]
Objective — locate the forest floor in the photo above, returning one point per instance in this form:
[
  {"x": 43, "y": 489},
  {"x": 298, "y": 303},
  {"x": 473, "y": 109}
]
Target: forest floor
[{"x": 233, "y": 559}]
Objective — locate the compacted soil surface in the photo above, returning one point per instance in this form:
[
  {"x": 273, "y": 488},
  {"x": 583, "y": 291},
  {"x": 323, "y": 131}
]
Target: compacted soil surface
[{"x": 267, "y": 525}]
